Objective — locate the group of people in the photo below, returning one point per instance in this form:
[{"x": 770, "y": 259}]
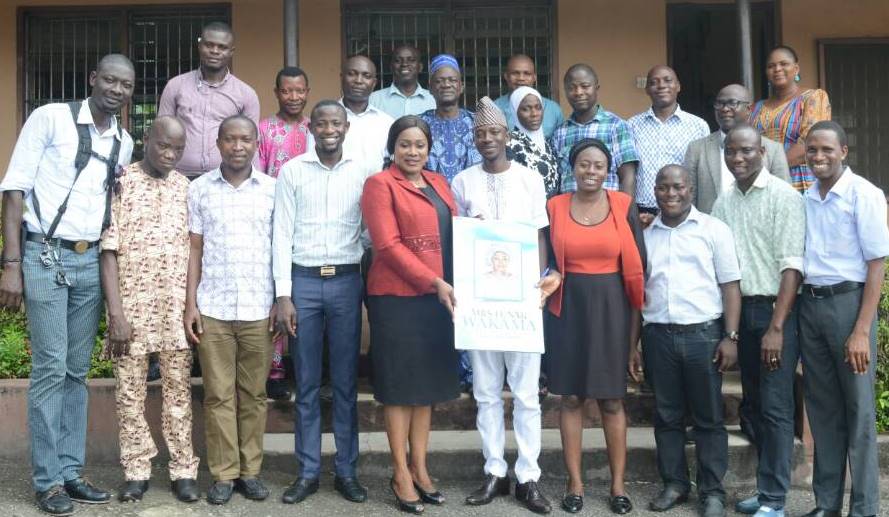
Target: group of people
[{"x": 753, "y": 244}]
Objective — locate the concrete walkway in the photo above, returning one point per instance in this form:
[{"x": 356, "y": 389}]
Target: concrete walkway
[{"x": 16, "y": 499}]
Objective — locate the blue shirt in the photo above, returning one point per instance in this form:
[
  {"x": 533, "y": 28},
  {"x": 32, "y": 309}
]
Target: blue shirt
[
  {"x": 453, "y": 146},
  {"x": 844, "y": 230},
  {"x": 607, "y": 127},
  {"x": 661, "y": 143},
  {"x": 552, "y": 114},
  {"x": 396, "y": 104}
]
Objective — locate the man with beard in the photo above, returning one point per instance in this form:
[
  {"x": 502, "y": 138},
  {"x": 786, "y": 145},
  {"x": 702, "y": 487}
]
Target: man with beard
[
  {"x": 204, "y": 97},
  {"x": 368, "y": 126},
  {"x": 405, "y": 96},
  {"x": 317, "y": 255},
  {"x": 62, "y": 196}
]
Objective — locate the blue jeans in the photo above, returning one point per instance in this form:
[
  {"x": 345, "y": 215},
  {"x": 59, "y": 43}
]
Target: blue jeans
[
  {"x": 63, "y": 322},
  {"x": 332, "y": 307},
  {"x": 680, "y": 367},
  {"x": 770, "y": 398}
]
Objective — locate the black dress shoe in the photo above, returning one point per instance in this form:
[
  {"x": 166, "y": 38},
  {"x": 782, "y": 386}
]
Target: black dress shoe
[
  {"x": 220, "y": 492},
  {"x": 669, "y": 497},
  {"x": 529, "y": 494},
  {"x": 350, "y": 489},
  {"x": 415, "y": 507},
  {"x": 251, "y": 488},
  {"x": 491, "y": 488},
  {"x": 186, "y": 489},
  {"x": 83, "y": 491},
  {"x": 818, "y": 512},
  {"x": 712, "y": 507},
  {"x": 277, "y": 389},
  {"x": 572, "y": 503},
  {"x": 55, "y": 501},
  {"x": 435, "y": 497},
  {"x": 620, "y": 504},
  {"x": 132, "y": 491},
  {"x": 299, "y": 490}
]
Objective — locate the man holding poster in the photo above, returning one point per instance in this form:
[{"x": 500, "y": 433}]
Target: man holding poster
[{"x": 498, "y": 189}]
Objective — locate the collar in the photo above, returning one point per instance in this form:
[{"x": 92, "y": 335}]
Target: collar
[
  {"x": 199, "y": 78},
  {"x": 678, "y": 113},
  {"x": 216, "y": 175},
  {"x": 419, "y": 92},
  {"x": 311, "y": 156},
  {"x": 600, "y": 116},
  {"x": 722, "y": 136},
  {"x": 761, "y": 182},
  {"x": 85, "y": 116},
  {"x": 694, "y": 216},
  {"x": 370, "y": 110},
  {"x": 840, "y": 188}
]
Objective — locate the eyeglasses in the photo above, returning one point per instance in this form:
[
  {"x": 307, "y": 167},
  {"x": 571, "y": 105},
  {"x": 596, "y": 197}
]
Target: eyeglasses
[{"x": 731, "y": 104}]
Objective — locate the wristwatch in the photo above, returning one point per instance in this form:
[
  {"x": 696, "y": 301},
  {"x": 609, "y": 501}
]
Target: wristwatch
[{"x": 733, "y": 335}]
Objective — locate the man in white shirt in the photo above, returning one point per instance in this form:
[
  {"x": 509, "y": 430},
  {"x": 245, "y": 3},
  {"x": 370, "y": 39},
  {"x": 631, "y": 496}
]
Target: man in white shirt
[
  {"x": 691, "y": 313},
  {"x": 704, "y": 157},
  {"x": 64, "y": 206},
  {"x": 318, "y": 285},
  {"x": 228, "y": 307},
  {"x": 368, "y": 126},
  {"x": 847, "y": 242},
  {"x": 500, "y": 189}
]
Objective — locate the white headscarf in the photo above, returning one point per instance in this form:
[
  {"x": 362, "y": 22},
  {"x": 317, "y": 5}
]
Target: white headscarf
[{"x": 515, "y": 99}]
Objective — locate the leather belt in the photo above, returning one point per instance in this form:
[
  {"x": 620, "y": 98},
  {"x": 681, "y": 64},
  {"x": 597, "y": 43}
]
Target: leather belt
[
  {"x": 826, "y": 291},
  {"x": 328, "y": 271},
  {"x": 75, "y": 246},
  {"x": 759, "y": 298},
  {"x": 675, "y": 328}
]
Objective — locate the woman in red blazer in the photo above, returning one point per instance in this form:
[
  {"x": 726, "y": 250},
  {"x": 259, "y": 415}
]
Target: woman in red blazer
[{"x": 408, "y": 212}]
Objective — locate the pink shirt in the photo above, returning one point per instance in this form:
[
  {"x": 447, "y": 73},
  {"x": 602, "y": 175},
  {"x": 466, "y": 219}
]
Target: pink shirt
[
  {"x": 202, "y": 107},
  {"x": 280, "y": 141}
]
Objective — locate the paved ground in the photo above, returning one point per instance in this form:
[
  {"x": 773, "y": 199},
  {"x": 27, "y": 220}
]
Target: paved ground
[{"x": 16, "y": 499}]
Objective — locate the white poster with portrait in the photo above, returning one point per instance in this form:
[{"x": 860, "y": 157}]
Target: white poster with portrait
[{"x": 496, "y": 269}]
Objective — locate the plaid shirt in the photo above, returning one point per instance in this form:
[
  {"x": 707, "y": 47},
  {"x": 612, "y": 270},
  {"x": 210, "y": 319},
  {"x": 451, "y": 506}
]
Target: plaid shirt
[
  {"x": 661, "y": 143},
  {"x": 605, "y": 126}
]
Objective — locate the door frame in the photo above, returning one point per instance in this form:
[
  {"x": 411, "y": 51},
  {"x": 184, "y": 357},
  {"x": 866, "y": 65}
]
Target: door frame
[{"x": 823, "y": 42}]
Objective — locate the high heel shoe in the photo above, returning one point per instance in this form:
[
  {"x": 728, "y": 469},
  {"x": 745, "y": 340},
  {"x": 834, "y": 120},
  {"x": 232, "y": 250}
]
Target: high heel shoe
[
  {"x": 436, "y": 498},
  {"x": 414, "y": 507}
]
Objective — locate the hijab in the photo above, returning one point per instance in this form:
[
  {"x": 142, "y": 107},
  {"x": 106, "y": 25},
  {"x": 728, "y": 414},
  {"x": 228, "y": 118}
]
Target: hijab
[{"x": 515, "y": 99}]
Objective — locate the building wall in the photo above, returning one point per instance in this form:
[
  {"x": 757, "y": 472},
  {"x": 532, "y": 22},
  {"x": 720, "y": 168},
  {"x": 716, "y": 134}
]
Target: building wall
[
  {"x": 258, "y": 55},
  {"x": 618, "y": 41},
  {"x": 804, "y": 22}
]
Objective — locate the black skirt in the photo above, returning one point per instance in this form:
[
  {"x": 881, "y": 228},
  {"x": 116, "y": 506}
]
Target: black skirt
[
  {"x": 587, "y": 347},
  {"x": 414, "y": 360}
]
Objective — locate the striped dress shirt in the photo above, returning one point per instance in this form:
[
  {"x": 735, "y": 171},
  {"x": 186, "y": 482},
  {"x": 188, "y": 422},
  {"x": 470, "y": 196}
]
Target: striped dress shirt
[{"x": 317, "y": 215}]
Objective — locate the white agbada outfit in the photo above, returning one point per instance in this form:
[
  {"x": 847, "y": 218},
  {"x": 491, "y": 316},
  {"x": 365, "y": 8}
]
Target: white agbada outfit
[{"x": 516, "y": 195}]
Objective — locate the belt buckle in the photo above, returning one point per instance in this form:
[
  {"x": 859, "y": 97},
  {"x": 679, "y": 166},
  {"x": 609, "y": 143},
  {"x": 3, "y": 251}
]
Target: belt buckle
[
  {"x": 80, "y": 247},
  {"x": 326, "y": 271},
  {"x": 813, "y": 293}
]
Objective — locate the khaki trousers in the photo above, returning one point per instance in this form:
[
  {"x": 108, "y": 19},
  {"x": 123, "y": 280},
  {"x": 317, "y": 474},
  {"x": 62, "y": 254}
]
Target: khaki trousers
[
  {"x": 136, "y": 445},
  {"x": 235, "y": 360}
]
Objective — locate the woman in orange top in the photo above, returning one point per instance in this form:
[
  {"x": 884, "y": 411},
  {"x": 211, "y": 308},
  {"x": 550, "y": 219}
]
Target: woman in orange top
[{"x": 594, "y": 321}]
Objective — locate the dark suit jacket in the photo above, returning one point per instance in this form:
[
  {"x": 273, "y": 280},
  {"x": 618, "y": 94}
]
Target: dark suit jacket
[{"x": 703, "y": 160}]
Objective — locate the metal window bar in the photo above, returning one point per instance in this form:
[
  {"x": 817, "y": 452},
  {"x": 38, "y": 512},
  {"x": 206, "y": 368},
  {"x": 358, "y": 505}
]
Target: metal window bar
[
  {"x": 63, "y": 46},
  {"x": 482, "y": 38}
]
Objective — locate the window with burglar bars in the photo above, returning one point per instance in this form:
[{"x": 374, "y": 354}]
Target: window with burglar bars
[
  {"x": 62, "y": 46},
  {"x": 482, "y": 36}
]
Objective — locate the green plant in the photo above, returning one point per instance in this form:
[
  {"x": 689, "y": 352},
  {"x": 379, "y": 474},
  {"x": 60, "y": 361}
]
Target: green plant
[
  {"x": 15, "y": 348},
  {"x": 882, "y": 385}
]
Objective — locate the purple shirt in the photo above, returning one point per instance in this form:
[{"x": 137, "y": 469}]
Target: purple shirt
[{"x": 202, "y": 107}]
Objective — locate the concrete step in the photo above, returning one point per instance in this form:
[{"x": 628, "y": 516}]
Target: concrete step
[
  {"x": 456, "y": 455},
  {"x": 459, "y": 414}
]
